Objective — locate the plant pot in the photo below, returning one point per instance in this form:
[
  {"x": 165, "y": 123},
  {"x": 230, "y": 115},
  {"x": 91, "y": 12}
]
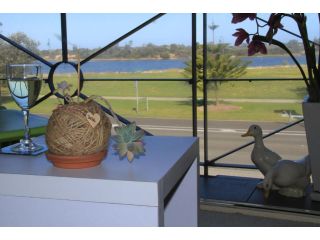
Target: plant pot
[
  {"x": 78, "y": 135},
  {"x": 76, "y": 162},
  {"x": 311, "y": 112}
]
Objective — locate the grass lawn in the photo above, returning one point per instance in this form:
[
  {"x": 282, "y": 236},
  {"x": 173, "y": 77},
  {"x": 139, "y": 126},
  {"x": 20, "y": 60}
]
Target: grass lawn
[
  {"x": 127, "y": 88},
  {"x": 257, "y": 112},
  {"x": 183, "y": 110},
  {"x": 266, "y": 89},
  {"x": 176, "y": 109},
  {"x": 231, "y": 89}
]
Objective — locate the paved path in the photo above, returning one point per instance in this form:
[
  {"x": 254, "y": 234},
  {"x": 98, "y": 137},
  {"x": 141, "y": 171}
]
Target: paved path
[
  {"x": 221, "y": 99},
  {"x": 181, "y": 99},
  {"x": 224, "y": 136}
]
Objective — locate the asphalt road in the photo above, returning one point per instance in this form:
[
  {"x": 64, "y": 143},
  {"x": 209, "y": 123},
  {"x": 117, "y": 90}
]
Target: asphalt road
[{"x": 224, "y": 136}]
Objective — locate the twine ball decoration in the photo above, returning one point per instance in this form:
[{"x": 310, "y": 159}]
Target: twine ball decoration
[{"x": 78, "y": 129}]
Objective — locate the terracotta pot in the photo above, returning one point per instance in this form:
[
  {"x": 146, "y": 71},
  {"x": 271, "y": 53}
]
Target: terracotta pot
[{"x": 76, "y": 162}]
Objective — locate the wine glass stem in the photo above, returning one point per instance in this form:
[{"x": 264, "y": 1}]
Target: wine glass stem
[{"x": 25, "y": 113}]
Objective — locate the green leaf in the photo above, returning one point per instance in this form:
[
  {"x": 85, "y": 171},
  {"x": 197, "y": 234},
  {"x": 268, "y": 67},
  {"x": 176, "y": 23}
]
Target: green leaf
[
  {"x": 132, "y": 128},
  {"x": 117, "y": 139},
  {"x": 130, "y": 146},
  {"x": 118, "y": 130},
  {"x": 138, "y": 148},
  {"x": 138, "y": 135},
  {"x": 122, "y": 149}
]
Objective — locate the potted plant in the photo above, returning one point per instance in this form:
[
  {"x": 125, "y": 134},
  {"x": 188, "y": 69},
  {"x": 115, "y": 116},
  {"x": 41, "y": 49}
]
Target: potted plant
[
  {"x": 311, "y": 75},
  {"x": 78, "y": 133}
]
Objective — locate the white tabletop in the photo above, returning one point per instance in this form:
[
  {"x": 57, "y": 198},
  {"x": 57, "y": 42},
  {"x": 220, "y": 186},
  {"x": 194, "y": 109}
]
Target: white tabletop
[{"x": 164, "y": 163}]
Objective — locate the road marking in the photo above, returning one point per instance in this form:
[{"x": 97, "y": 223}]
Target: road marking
[
  {"x": 216, "y": 130},
  {"x": 225, "y": 130}
]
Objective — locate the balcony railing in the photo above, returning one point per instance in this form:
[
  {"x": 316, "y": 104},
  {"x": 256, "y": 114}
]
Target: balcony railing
[{"x": 207, "y": 163}]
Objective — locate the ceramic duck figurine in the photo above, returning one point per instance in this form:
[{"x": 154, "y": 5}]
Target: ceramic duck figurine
[
  {"x": 261, "y": 156},
  {"x": 291, "y": 177}
]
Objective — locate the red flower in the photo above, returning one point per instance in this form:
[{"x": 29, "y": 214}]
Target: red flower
[
  {"x": 241, "y": 35},
  {"x": 256, "y": 46},
  {"x": 240, "y": 17}
]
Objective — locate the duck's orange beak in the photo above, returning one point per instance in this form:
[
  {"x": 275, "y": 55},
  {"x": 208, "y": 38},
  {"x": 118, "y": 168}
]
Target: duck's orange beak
[{"x": 246, "y": 134}]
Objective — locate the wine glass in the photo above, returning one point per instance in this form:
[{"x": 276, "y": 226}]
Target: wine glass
[{"x": 24, "y": 82}]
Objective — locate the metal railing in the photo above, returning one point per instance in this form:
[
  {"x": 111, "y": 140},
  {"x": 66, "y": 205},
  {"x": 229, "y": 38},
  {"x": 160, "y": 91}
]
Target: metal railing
[
  {"x": 213, "y": 162},
  {"x": 193, "y": 81},
  {"x": 64, "y": 43}
]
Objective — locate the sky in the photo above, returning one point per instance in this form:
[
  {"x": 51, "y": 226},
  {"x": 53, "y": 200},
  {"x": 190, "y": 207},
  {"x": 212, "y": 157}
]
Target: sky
[
  {"x": 94, "y": 30},
  {"x": 89, "y": 26}
]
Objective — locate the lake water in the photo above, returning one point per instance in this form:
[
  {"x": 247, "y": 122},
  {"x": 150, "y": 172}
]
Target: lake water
[
  {"x": 158, "y": 65},
  {"x": 273, "y": 61}
]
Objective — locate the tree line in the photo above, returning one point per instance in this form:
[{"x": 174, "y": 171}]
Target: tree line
[
  {"x": 128, "y": 51},
  {"x": 169, "y": 51}
]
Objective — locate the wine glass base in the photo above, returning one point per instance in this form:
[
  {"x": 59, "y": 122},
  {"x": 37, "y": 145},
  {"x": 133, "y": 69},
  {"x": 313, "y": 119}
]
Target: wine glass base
[{"x": 26, "y": 146}]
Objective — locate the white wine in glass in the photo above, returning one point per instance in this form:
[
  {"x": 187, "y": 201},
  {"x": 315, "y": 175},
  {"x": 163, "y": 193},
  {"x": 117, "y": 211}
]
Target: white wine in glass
[{"x": 24, "y": 82}]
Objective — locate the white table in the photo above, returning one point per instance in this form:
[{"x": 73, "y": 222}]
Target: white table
[{"x": 158, "y": 189}]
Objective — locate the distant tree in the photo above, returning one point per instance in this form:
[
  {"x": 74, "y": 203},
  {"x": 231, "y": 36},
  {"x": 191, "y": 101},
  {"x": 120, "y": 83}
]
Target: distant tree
[
  {"x": 219, "y": 65},
  {"x": 10, "y": 54},
  {"x": 294, "y": 46},
  {"x": 199, "y": 71},
  {"x": 213, "y": 27},
  {"x": 165, "y": 55},
  {"x": 127, "y": 49}
]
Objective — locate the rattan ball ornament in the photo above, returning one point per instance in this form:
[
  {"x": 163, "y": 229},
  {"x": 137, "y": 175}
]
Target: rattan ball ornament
[{"x": 77, "y": 135}]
